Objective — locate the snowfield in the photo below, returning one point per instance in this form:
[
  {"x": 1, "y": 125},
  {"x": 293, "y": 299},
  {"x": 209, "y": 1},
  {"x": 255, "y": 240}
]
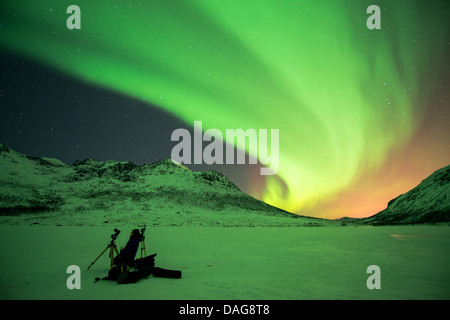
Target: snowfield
[{"x": 232, "y": 263}]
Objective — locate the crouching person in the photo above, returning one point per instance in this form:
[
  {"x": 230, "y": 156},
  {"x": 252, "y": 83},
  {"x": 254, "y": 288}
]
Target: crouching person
[{"x": 125, "y": 268}]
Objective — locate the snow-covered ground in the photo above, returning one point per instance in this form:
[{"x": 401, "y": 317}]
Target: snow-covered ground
[{"x": 232, "y": 263}]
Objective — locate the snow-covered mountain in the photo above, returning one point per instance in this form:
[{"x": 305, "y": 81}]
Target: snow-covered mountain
[
  {"x": 429, "y": 202},
  {"x": 165, "y": 193}
]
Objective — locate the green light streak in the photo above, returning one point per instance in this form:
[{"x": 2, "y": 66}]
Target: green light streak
[{"x": 341, "y": 95}]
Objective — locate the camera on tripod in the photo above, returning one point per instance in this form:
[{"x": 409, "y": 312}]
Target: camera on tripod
[
  {"x": 113, "y": 249},
  {"x": 115, "y": 234}
]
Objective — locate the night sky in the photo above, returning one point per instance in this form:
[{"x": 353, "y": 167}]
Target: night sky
[
  {"x": 46, "y": 113},
  {"x": 363, "y": 114}
]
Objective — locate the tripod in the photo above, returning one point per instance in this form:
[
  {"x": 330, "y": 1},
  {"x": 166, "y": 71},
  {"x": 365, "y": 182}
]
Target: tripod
[
  {"x": 143, "y": 251},
  {"x": 113, "y": 249}
]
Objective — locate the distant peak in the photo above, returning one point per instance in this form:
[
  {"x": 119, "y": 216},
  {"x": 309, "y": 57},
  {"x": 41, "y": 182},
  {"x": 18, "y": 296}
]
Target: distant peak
[
  {"x": 4, "y": 148},
  {"x": 168, "y": 163},
  {"x": 84, "y": 162},
  {"x": 175, "y": 162}
]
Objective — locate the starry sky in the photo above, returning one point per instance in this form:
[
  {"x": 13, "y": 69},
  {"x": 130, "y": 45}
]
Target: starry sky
[{"x": 363, "y": 115}]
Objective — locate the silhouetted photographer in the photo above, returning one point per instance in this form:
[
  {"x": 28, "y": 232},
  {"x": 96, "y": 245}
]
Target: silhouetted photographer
[
  {"x": 125, "y": 268},
  {"x": 128, "y": 254}
]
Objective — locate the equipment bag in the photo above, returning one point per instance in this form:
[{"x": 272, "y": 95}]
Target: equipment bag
[
  {"x": 134, "y": 276},
  {"x": 164, "y": 273}
]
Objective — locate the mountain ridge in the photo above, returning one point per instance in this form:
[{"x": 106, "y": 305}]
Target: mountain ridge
[
  {"x": 161, "y": 193},
  {"x": 428, "y": 202},
  {"x": 167, "y": 193}
]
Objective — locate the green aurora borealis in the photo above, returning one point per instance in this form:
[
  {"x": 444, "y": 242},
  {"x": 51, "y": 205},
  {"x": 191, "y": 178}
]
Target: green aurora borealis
[{"x": 342, "y": 96}]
